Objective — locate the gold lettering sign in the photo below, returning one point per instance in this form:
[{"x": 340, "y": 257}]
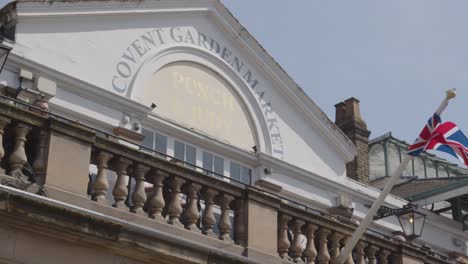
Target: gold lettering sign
[{"x": 198, "y": 98}]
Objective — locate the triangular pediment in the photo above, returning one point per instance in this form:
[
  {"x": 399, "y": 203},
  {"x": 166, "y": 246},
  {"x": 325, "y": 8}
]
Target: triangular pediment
[{"x": 118, "y": 46}]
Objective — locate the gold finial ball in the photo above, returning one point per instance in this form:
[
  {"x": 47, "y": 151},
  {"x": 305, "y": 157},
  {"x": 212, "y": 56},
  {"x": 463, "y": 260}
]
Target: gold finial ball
[{"x": 451, "y": 93}]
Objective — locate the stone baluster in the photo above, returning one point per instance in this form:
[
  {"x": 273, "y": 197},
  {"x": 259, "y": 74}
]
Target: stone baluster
[
  {"x": 335, "y": 244},
  {"x": 101, "y": 184},
  {"x": 139, "y": 194},
  {"x": 192, "y": 214},
  {"x": 120, "y": 190},
  {"x": 349, "y": 260},
  {"x": 323, "y": 254},
  {"x": 371, "y": 250},
  {"x": 383, "y": 255},
  {"x": 283, "y": 240},
  {"x": 18, "y": 158},
  {"x": 296, "y": 246},
  {"x": 225, "y": 225},
  {"x": 174, "y": 209},
  {"x": 40, "y": 163},
  {"x": 310, "y": 251},
  {"x": 157, "y": 202},
  {"x": 3, "y": 123},
  {"x": 209, "y": 219},
  {"x": 360, "y": 254}
]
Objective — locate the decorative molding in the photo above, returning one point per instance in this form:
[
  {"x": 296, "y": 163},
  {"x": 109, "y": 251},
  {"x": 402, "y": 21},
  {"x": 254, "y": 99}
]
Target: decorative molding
[
  {"x": 128, "y": 134},
  {"x": 225, "y": 19},
  {"x": 174, "y": 53},
  {"x": 79, "y": 87}
]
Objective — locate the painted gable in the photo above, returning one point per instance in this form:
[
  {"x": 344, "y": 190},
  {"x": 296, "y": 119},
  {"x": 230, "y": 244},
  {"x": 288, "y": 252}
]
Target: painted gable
[{"x": 126, "y": 48}]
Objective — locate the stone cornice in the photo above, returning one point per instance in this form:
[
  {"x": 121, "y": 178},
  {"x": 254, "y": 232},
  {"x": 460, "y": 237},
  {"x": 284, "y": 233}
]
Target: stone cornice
[{"x": 41, "y": 215}]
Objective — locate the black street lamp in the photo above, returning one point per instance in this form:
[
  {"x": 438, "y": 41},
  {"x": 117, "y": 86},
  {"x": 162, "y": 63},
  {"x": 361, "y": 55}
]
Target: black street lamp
[{"x": 410, "y": 218}]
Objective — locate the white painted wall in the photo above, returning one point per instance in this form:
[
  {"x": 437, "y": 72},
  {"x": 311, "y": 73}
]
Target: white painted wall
[{"x": 89, "y": 47}]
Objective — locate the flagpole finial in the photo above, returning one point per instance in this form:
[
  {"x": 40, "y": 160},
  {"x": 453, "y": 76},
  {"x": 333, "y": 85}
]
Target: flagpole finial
[{"x": 451, "y": 93}]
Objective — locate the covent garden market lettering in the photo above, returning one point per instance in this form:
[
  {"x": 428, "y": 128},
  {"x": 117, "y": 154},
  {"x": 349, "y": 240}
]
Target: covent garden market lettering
[{"x": 142, "y": 47}]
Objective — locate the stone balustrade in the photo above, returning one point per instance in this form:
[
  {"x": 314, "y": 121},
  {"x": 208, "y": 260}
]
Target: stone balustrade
[
  {"x": 179, "y": 196},
  {"x": 314, "y": 237},
  {"x": 60, "y": 154},
  {"x": 309, "y": 242}
]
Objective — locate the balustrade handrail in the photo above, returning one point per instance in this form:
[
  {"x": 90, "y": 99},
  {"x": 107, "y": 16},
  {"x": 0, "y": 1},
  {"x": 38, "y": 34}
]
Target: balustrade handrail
[
  {"x": 345, "y": 229},
  {"x": 163, "y": 160}
]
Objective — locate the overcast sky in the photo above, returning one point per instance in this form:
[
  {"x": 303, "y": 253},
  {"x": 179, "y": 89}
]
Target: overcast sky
[{"x": 397, "y": 57}]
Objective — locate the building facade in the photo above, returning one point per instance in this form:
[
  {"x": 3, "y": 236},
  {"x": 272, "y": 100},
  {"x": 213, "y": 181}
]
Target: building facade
[{"x": 172, "y": 136}]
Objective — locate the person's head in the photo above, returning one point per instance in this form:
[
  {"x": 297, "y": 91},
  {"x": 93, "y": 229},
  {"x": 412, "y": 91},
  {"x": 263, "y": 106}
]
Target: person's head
[{"x": 41, "y": 104}]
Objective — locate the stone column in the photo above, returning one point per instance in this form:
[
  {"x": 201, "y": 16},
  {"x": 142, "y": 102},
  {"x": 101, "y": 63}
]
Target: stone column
[
  {"x": 192, "y": 214},
  {"x": 157, "y": 202},
  {"x": 383, "y": 256},
  {"x": 349, "y": 260},
  {"x": 101, "y": 184},
  {"x": 310, "y": 251},
  {"x": 296, "y": 246},
  {"x": 323, "y": 254},
  {"x": 139, "y": 194},
  {"x": 335, "y": 244},
  {"x": 209, "y": 219},
  {"x": 360, "y": 255},
  {"x": 283, "y": 240},
  {"x": 371, "y": 250},
  {"x": 225, "y": 225},
  {"x": 18, "y": 158},
  {"x": 175, "y": 208},
  {"x": 120, "y": 190}
]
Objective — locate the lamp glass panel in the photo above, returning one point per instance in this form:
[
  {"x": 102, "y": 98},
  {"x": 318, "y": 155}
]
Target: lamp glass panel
[
  {"x": 419, "y": 220},
  {"x": 412, "y": 223},
  {"x": 406, "y": 222}
]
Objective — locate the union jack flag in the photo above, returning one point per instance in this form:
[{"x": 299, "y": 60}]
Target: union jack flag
[
  {"x": 445, "y": 137},
  {"x": 425, "y": 136}
]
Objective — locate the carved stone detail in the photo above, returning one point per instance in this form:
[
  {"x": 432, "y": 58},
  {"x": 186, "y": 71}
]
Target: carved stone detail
[
  {"x": 101, "y": 184},
  {"x": 175, "y": 207},
  {"x": 192, "y": 214},
  {"x": 310, "y": 251},
  {"x": 157, "y": 202},
  {"x": 209, "y": 219},
  {"x": 283, "y": 240},
  {"x": 360, "y": 254},
  {"x": 18, "y": 158},
  {"x": 225, "y": 225},
  {"x": 296, "y": 246},
  {"x": 323, "y": 255},
  {"x": 120, "y": 190},
  {"x": 371, "y": 250},
  {"x": 139, "y": 194}
]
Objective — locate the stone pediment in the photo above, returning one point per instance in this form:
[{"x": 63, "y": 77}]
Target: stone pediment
[{"x": 118, "y": 46}]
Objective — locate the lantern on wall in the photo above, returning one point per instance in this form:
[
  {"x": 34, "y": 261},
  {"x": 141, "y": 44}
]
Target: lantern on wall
[{"x": 411, "y": 219}]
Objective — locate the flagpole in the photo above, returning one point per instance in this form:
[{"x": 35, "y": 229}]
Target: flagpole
[{"x": 345, "y": 253}]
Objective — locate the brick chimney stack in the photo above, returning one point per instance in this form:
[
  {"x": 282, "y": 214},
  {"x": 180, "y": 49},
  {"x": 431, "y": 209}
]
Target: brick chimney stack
[{"x": 349, "y": 120}]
